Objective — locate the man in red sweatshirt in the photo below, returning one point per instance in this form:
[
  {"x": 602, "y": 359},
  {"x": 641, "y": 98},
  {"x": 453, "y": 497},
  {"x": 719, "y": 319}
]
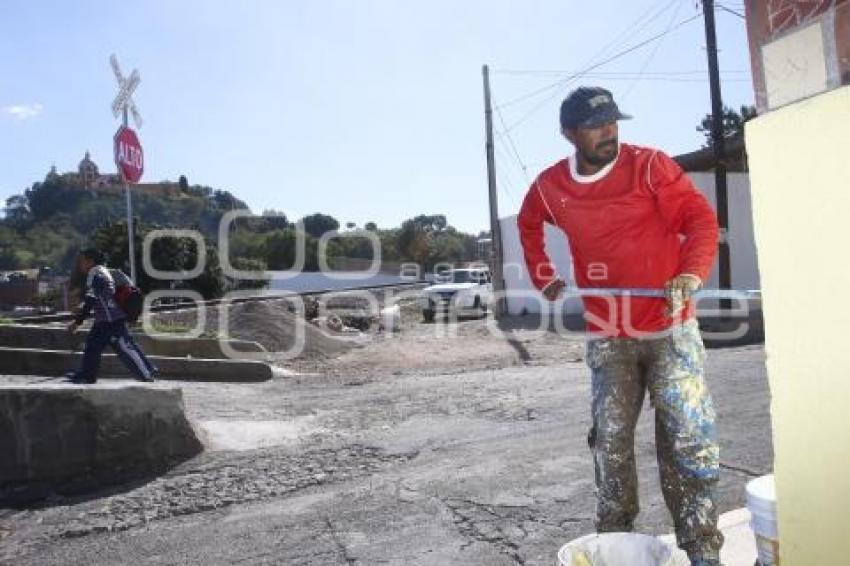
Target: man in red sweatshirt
[{"x": 634, "y": 219}]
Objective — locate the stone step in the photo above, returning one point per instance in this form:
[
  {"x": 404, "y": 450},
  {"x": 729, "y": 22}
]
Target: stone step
[
  {"x": 31, "y": 361},
  {"x": 56, "y": 338}
]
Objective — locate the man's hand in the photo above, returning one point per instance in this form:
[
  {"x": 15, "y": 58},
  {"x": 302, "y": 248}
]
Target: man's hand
[
  {"x": 554, "y": 289},
  {"x": 679, "y": 291},
  {"x": 72, "y": 326}
]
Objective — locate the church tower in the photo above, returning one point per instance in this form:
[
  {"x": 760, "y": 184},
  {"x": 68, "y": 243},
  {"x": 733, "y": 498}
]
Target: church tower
[{"x": 88, "y": 171}]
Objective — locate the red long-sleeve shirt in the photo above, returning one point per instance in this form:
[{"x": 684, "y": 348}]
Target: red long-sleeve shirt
[{"x": 636, "y": 223}]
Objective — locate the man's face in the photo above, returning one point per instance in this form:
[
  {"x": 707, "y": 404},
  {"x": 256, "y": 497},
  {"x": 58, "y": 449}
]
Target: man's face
[
  {"x": 84, "y": 264},
  {"x": 598, "y": 146}
]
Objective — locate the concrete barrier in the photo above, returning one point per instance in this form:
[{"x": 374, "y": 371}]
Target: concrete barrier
[
  {"x": 69, "y": 439},
  {"x": 30, "y": 361},
  {"x": 54, "y": 338},
  {"x": 195, "y": 347}
]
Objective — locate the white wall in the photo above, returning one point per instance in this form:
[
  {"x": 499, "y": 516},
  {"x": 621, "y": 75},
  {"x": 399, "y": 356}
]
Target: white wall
[{"x": 523, "y": 296}]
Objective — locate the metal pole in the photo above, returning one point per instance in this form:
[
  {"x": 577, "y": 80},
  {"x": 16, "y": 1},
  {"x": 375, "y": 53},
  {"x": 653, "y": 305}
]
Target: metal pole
[
  {"x": 130, "y": 236},
  {"x": 495, "y": 228},
  {"x": 722, "y": 294},
  {"x": 719, "y": 145}
]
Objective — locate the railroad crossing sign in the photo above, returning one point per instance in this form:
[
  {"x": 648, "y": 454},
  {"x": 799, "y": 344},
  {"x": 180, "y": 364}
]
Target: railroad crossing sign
[
  {"x": 126, "y": 86},
  {"x": 128, "y": 150}
]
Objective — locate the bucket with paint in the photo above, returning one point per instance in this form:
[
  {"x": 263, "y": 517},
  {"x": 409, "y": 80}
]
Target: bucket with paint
[
  {"x": 761, "y": 501},
  {"x": 619, "y": 549}
]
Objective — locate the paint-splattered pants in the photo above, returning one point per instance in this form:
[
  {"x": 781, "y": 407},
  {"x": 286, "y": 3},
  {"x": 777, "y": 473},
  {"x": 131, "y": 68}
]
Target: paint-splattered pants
[{"x": 671, "y": 369}]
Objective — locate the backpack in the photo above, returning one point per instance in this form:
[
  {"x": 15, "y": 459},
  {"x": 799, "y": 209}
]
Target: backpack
[{"x": 129, "y": 298}]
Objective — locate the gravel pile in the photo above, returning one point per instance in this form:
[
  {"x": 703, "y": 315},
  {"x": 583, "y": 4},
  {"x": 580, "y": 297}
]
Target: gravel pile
[{"x": 274, "y": 324}]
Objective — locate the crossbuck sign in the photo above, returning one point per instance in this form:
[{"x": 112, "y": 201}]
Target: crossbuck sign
[{"x": 126, "y": 86}]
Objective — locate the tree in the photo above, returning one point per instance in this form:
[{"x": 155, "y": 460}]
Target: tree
[
  {"x": 371, "y": 226},
  {"x": 280, "y": 250},
  {"x": 274, "y": 220},
  {"x": 733, "y": 123},
  {"x": 167, "y": 254},
  {"x": 317, "y": 224},
  {"x": 183, "y": 183},
  {"x": 17, "y": 211},
  {"x": 418, "y": 240}
]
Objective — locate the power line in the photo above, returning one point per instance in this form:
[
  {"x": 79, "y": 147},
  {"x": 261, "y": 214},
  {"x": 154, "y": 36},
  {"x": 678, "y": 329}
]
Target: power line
[
  {"x": 505, "y": 154},
  {"x": 623, "y": 53},
  {"x": 632, "y": 30},
  {"x": 515, "y": 155},
  {"x": 629, "y": 31},
  {"x": 513, "y": 145},
  {"x": 506, "y": 180},
  {"x": 652, "y": 54},
  {"x": 669, "y": 79},
  {"x": 730, "y": 10},
  {"x": 607, "y": 73}
]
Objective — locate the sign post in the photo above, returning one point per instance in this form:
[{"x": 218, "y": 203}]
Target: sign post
[{"x": 129, "y": 157}]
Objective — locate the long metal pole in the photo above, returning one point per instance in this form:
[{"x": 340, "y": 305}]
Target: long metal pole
[
  {"x": 722, "y": 294},
  {"x": 719, "y": 145},
  {"x": 130, "y": 236},
  {"x": 495, "y": 228}
]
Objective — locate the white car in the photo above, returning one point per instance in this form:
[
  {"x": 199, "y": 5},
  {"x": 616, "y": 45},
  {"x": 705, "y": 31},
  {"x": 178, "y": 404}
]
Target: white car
[{"x": 462, "y": 291}]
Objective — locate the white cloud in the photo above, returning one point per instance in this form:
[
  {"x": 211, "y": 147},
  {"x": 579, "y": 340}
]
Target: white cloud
[{"x": 24, "y": 111}]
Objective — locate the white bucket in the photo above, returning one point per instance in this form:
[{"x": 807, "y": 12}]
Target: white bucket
[
  {"x": 391, "y": 318},
  {"x": 619, "y": 549},
  {"x": 761, "y": 501}
]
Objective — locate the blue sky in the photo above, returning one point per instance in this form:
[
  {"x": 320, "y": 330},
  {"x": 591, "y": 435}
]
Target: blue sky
[{"x": 365, "y": 110}]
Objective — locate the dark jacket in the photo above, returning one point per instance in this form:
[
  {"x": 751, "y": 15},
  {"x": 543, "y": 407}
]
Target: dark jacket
[{"x": 99, "y": 297}]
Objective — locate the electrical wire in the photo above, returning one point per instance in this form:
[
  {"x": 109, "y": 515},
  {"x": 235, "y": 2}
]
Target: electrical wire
[
  {"x": 651, "y": 55},
  {"x": 513, "y": 145},
  {"x": 608, "y": 73},
  {"x": 629, "y": 31},
  {"x": 730, "y": 10},
  {"x": 505, "y": 181},
  {"x": 567, "y": 80},
  {"x": 633, "y": 29}
]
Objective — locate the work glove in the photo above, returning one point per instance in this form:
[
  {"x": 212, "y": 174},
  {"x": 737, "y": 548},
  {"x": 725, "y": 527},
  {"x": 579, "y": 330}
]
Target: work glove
[
  {"x": 554, "y": 289},
  {"x": 679, "y": 290}
]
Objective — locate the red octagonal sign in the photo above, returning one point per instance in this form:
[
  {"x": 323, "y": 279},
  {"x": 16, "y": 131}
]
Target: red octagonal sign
[{"x": 129, "y": 156}]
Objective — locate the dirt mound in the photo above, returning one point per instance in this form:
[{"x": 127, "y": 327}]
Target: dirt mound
[{"x": 274, "y": 324}]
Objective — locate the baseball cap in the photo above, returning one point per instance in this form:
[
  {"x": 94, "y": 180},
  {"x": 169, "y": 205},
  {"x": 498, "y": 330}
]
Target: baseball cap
[{"x": 589, "y": 107}]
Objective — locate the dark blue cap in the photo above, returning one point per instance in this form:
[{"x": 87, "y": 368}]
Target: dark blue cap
[{"x": 589, "y": 107}]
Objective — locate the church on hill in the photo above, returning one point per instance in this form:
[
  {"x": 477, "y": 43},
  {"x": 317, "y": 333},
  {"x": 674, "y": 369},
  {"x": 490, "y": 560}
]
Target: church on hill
[{"x": 89, "y": 177}]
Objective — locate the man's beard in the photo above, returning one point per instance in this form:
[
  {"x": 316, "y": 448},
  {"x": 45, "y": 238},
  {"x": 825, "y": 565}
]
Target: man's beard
[{"x": 598, "y": 159}]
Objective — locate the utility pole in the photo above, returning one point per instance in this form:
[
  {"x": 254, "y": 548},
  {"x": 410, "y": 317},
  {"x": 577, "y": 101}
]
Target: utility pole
[
  {"x": 495, "y": 228},
  {"x": 719, "y": 146}
]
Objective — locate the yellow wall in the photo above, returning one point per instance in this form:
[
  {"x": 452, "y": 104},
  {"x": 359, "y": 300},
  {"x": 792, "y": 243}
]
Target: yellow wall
[{"x": 800, "y": 175}]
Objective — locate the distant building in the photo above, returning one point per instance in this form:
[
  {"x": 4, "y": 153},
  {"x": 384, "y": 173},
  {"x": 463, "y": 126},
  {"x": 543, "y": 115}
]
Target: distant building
[
  {"x": 702, "y": 160},
  {"x": 484, "y": 247},
  {"x": 89, "y": 177}
]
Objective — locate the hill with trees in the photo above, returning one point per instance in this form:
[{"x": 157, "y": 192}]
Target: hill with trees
[{"x": 52, "y": 220}]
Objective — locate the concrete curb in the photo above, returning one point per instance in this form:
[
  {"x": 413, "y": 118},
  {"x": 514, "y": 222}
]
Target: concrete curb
[
  {"x": 71, "y": 439},
  {"x": 52, "y": 338},
  {"x": 30, "y": 361}
]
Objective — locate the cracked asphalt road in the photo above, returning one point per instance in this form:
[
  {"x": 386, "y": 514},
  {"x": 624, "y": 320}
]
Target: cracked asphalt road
[{"x": 485, "y": 466}]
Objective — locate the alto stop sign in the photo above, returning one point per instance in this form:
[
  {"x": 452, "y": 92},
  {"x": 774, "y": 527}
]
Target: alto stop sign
[{"x": 129, "y": 156}]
